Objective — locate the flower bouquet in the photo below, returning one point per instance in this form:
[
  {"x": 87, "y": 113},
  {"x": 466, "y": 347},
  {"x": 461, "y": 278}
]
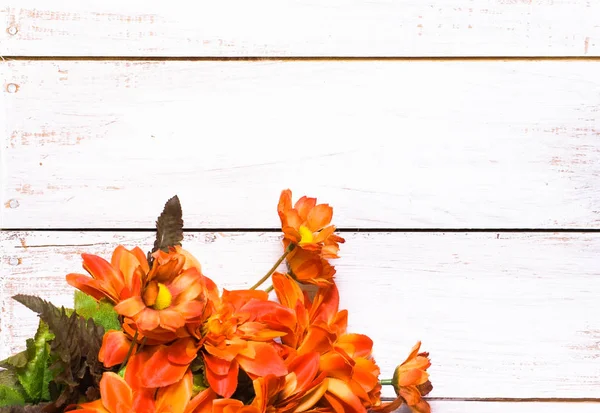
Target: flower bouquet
[{"x": 151, "y": 333}]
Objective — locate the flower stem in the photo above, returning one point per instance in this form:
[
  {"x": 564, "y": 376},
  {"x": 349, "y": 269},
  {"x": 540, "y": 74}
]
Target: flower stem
[
  {"x": 133, "y": 341},
  {"x": 387, "y": 382},
  {"x": 274, "y": 267},
  {"x": 269, "y": 288}
]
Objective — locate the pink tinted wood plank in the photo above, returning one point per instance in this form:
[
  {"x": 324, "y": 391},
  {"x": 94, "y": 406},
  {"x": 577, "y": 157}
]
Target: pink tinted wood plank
[
  {"x": 390, "y": 144},
  {"x": 300, "y": 28},
  {"x": 503, "y": 315}
]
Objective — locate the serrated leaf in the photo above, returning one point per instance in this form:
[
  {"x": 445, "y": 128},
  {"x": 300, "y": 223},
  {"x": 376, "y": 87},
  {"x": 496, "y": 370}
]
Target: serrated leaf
[
  {"x": 169, "y": 226},
  {"x": 35, "y": 375},
  {"x": 102, "y": 312},
  {"x": 10, "y": 397},
  {"x": 74, "y": 351}
]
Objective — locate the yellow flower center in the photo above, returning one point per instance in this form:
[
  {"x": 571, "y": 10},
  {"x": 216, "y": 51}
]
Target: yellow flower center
[
  {"x": 163, "y": 298},
  {"x": 306, "y": 235}
]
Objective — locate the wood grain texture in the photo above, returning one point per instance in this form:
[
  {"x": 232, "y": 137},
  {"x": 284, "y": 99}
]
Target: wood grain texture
[
  {"x": 508, "y": 407},
  {"x": 301, "y": 28},
  {"x": 390, "y": 144},
  {"x": 503, "y": 315}
]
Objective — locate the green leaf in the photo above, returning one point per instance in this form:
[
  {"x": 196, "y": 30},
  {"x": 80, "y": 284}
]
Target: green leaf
[
  {"x": 169, "y": 226},
  {"x": 35, "y": 375},
  {"x": 10, "y": 397},
  {"x": 16, "y": 360},
  {"x": 102, "y": 312},
  {"x": 74, "y": 352}
]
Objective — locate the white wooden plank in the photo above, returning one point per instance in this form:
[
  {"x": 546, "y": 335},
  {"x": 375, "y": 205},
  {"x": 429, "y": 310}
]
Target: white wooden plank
[
  {"x": 390, "y": 144},
  {"x": 509, "y": 407},
  {"x": 300, "y": 28},
  {"x": 503, "y": 315}
]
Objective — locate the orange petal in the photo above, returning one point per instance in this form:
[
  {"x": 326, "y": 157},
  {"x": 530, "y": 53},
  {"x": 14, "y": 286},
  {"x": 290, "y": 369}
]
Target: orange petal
[
  {"x": 410, "y": 394},
  {"x": 91, "y": 287},
  {"x": 160, "y": 372},
  {"x": 305, "y": 367},
  {"x": 325, "y": 304},
  {"x": 183, "y": 351},
  {"x": 116, "y": 393},
  {"x": 143, "y": 401},
  {"x": 324, "y": 234},
  {"x": 127, "y": 263},
  {"x": 218, "y": 366},
  {"x": 356, "y": 345},
  {"x": 287, "y": 290},
  {"x": 202, "y": 402},
  {"x": 266, "y": 360},
  {"x": 304, "y": 206},
  {"x": 115, "y": 346},
  {"x": 319, "y": 217},
  {"x": 148, "y": 319},
  {"x": 190, "y": 309},
  {"x": 131, "y": 306},
  {"x": 412, "y": 377},
  {"x": 344, "y": 394},
  {"x": 190, "y": 260},
  {"x": 223, "y": 385},
  {"x": 285, "y": 201},
  {"x": 184, "y": 281},
  {"x": 336, "y": 366},
  {"x": 312, "y": 397},
  {"x": 135, "y": 366},
  {"x": 174, "y": 398},
  {"x": 317, "y": 339},
  {"x": 421, "y": 407},
  {"x": 170, "y": 319},
  {"x": 101, "y": 270}
]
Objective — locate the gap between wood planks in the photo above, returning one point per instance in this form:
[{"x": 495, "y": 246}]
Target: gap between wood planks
[
  {"x": 298, "y": 58},
  {"x": 509, "y": 399},
  {"x": 241, "y": 229}
]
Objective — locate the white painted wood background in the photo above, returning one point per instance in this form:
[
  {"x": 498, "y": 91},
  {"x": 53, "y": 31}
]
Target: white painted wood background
[{"x": 435, "y": 162}]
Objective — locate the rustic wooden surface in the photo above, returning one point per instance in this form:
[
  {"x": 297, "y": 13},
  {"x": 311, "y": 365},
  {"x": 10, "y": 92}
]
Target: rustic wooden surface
[
  {"x": 499, "y": 317},
  {"x": 385, "y": 109},
  {"x": 301, "y": 28},
  {"x": 392, "y": 144}
]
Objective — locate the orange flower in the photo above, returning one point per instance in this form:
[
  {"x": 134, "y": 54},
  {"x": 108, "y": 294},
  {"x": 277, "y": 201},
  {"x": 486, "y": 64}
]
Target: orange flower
[
  {"x": 118, "y": 396},
  {"x": 116, "y": 280},
  {"x": 156, "y": 302},
  {"x": 207, "y": 402},
  {"x": 411, "y": 382},
  {"x": 307, "y": 224},
  {"x": 309, "y": 267},
  {"x": 344, "y": 359},
  {"x": 173, "y": 294},
  {"x": 240, "y": 333}
]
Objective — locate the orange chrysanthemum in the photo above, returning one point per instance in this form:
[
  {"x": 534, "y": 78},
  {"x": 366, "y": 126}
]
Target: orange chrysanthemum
[
  {"x": 116, "y": 280},
  {"x": 306, "y": 225},
  {"x": 173, "y": 294},
  {"x": 240, "y": 334},
  {"x": 156, "y": 302}
]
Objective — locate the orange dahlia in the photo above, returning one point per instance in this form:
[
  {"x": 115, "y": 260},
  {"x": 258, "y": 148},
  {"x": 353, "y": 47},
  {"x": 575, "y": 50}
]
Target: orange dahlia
[{"x": 240, "y": 334}]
